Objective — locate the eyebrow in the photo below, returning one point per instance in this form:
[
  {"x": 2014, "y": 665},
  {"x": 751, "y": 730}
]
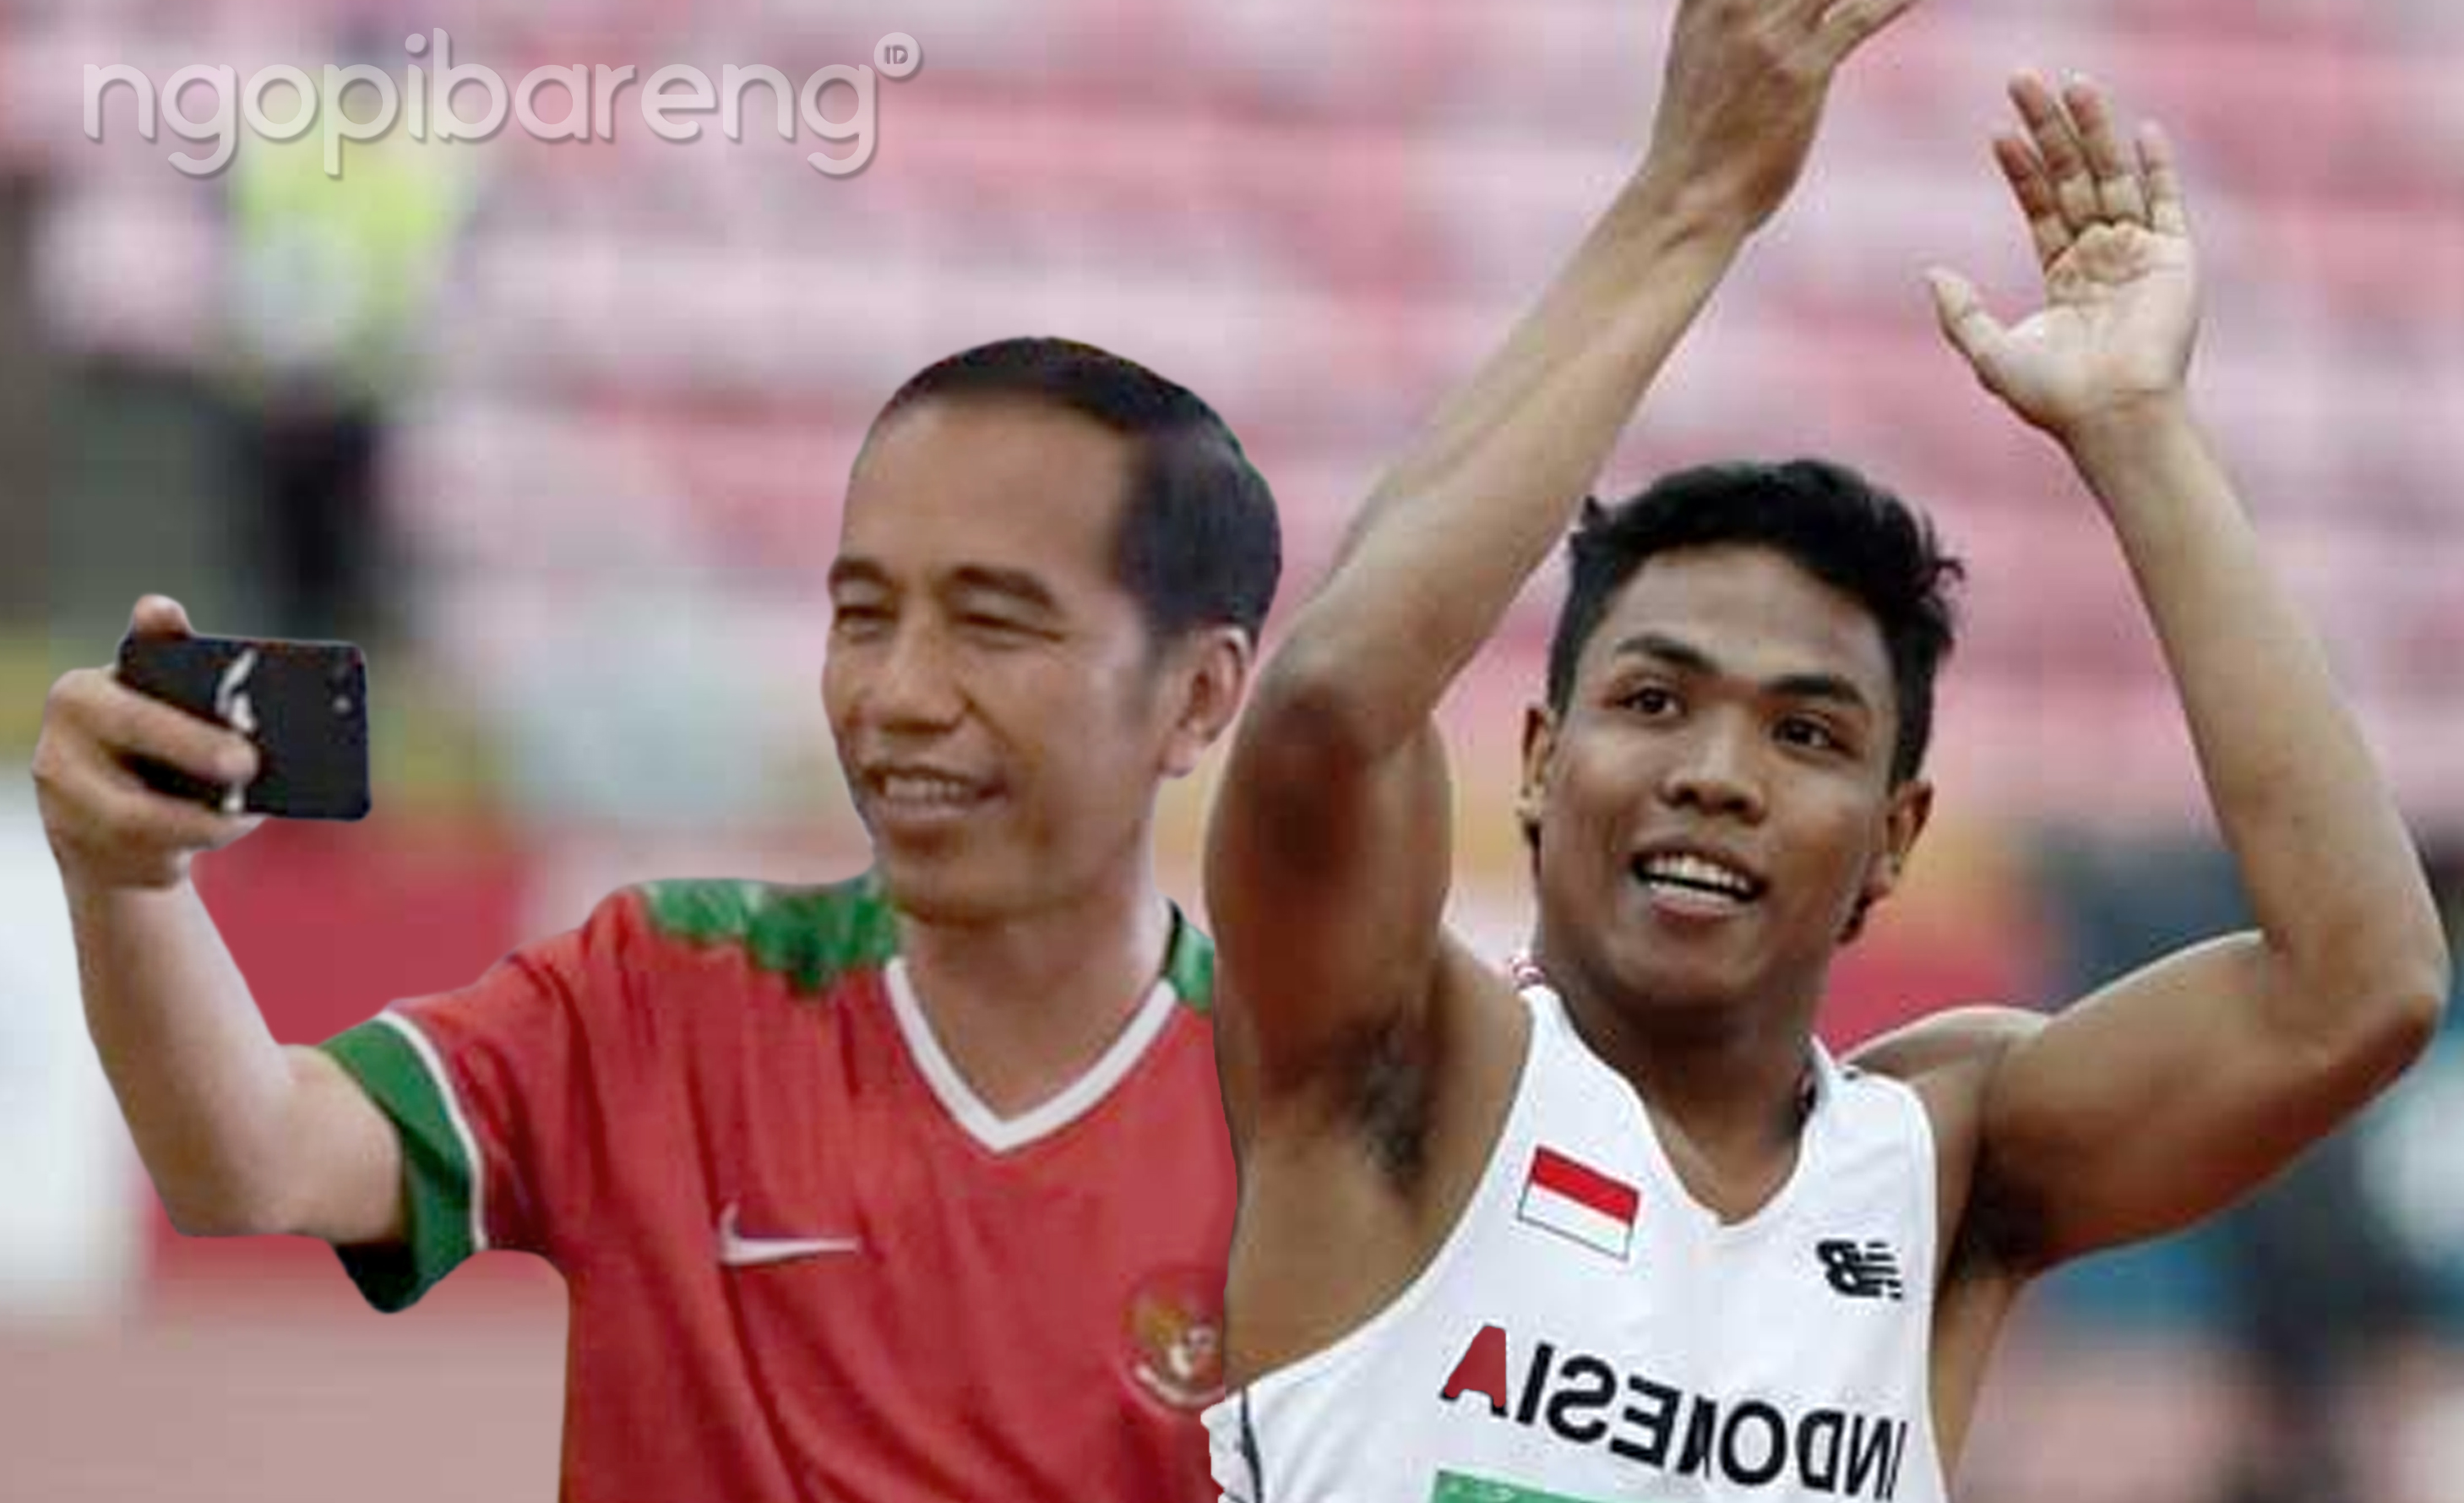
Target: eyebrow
[
  {"x": 1688, "y": 658},
  {"x": 1015, "y": 584},
  {"x": 857, "y": 571},
  {"x": 968, "y": 579}
]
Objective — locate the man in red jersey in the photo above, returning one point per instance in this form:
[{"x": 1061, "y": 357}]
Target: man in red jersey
[{"x": 912, "y": 1187}]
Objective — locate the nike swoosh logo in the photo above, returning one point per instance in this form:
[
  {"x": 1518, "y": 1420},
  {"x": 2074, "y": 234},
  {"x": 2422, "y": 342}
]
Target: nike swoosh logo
[{"x": 738, "y": 1251}]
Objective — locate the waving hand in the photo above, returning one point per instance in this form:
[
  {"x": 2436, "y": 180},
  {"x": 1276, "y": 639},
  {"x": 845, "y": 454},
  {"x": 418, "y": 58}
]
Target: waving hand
[{"x": 2121, "y": 292}]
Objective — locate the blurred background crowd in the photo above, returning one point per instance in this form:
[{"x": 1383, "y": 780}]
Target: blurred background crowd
[{"x": 560, "y": 432}]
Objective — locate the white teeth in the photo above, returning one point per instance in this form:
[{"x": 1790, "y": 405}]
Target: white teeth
[
  {"x": 1697, "y": 872},
  {"x": 910, "y": 787}
]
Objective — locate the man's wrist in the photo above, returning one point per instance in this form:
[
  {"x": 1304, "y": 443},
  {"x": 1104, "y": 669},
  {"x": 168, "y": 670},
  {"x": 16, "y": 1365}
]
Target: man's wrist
[
  {"x": 2127, "y": 435},
  {"x": 1683, "y": 214},
  {"x": 2153, "y": 473},
  {"x": 92, "y": 890}
]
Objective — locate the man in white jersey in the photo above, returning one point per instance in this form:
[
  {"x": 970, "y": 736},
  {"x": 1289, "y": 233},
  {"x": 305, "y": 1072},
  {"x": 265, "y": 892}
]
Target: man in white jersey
[{"x": 1631, "y": 1234}]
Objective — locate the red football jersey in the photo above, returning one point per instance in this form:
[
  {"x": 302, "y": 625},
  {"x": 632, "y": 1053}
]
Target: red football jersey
[{"x": 806, "y": 1262}]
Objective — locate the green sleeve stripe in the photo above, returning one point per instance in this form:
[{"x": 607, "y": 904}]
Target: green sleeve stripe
[
  {"x": 443, "y": 1176},
  {"x": 472, "y": 1172}
]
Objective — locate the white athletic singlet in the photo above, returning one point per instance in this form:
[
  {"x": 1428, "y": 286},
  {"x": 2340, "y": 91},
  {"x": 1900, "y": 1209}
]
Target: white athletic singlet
[{"x": 1588, "y": 1333}]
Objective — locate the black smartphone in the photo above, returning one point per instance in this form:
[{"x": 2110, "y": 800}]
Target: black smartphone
[{"x": 305, "y": 705}]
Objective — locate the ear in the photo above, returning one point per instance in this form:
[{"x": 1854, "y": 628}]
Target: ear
[
  {"x": 1904, "y": 820},
  {"x": 1539, "y": 747},
  {"x": 1205, "y": 676}
]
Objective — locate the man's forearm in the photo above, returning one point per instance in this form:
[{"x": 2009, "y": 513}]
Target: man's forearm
[
  {"x": 204, "y": 1086},
  {"x": 2331, "y": 873},
  {"x": 1458, "y": 526}
]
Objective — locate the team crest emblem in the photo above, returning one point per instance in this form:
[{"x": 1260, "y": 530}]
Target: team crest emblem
[{"x": 1176, "y": 1330}]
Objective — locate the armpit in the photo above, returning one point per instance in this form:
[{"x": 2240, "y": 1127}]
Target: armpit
[{"x": 1393, "y": 1106}]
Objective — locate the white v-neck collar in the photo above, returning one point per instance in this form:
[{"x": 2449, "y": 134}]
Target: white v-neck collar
[
  {"x": 1007, "y": 1134},
  {"x": 1813, "y": 1135}
]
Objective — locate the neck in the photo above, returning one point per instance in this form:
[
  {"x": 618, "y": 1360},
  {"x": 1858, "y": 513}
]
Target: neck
[
  {"x": 1729, "y": 1088},
  {"x": 1025, "y": 1003}
]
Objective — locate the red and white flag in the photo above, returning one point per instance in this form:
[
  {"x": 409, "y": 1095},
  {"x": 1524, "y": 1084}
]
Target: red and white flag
[{"x": 1575, "y": 1199}]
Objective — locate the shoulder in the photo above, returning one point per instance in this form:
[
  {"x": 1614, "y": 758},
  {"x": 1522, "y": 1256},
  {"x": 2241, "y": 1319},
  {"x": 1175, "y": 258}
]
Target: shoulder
[
  {"x": 1962, "y": 1041},
  {"x": 1947, "y": 1060},
  {"x": 812, "y": 936}
]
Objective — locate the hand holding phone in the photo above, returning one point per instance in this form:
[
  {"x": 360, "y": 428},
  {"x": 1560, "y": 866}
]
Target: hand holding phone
[{"x": 304, "y": 705}]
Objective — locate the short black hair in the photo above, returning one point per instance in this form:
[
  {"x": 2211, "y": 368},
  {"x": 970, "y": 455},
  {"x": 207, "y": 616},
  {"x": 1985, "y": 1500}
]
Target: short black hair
[
  {"x": 1200, "y": 544},
  {"x": 1824, "y": 518}
]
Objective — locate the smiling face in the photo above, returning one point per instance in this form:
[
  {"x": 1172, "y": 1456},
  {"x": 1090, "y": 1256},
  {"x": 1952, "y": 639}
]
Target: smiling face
[
  {"x": 1001, "y": 714},
  {"x": 1715, "y": 804}
]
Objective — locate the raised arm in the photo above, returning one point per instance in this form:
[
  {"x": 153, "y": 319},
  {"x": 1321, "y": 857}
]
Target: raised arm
[
  {"x": 1329, "y": 852},
  {"x": 240, "y": 1134},
  {"x": 2175, "y": 1090}
]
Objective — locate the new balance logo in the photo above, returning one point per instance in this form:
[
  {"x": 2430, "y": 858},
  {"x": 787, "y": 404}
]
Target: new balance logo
[{"x": 1861, "y": 1271}]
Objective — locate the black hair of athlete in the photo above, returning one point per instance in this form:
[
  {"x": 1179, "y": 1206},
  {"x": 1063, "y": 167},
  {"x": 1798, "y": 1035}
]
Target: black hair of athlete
[
  {"x": 1200, "y": 544},
  {"x": 1824, "y": 518}
]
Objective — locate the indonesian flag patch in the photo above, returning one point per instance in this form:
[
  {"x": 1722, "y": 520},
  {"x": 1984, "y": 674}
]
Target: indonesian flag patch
[{"x": 1575, "y": 1199}]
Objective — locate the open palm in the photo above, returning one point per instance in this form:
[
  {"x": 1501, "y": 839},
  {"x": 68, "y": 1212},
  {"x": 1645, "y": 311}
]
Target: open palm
[{"x": 2122, "y": 300}]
